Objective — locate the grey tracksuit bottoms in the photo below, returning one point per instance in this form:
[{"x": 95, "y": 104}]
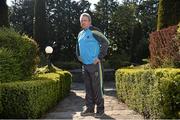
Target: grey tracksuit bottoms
[{"x": 93, "y": 79}]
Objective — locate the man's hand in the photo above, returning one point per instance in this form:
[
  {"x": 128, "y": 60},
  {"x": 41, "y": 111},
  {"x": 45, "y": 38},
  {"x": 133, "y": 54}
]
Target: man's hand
[{"x": 96, "y": 61}]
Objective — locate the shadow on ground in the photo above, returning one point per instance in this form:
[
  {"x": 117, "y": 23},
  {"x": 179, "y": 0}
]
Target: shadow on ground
[
  {"x": 107, "y": 117},
  {"x": 66, "y": 108},
  {"x": 72, "y": 105},
  {"x": 110, "y": 92}
]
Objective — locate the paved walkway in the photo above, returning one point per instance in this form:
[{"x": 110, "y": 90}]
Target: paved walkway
[{"x": 72, "y": 105}]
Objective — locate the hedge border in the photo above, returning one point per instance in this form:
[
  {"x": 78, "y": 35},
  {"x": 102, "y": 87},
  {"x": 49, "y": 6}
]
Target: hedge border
[
  {"x": 31, "y": 99},
  {"x": 151, "y": 92}
]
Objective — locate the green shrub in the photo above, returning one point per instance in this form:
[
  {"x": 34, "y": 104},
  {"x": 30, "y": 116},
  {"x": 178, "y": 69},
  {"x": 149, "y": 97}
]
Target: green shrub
[
  {"x": 152, "y": 92},
  {"x": 1, "y": 108},
  {"x": 164, "y": 49},
  {"x": 67, "y": 65},
  {"x": 119, "y": 60},
  {"x": 177, "y": 39},
  {"x": 9, "y": 66},
  {"x": 178, "y": 32},
  {"x": 21, "y": 50},
  {"x": 31, "y": 99}
]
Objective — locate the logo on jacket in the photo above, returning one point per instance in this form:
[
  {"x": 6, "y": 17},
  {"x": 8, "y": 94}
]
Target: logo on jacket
[{"x": 96, "y": 74}]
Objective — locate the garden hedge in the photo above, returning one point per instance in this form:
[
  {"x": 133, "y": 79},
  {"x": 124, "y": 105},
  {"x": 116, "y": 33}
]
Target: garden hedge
[
  {"x": 31, "y": 99},
  {"x": 155, "y": 93},
  {"x": 168, "y": 13},
  {"x": 1, "y": 108},
  {"x": 18, "y": 56},
  {"x": 164, "y": 48}
]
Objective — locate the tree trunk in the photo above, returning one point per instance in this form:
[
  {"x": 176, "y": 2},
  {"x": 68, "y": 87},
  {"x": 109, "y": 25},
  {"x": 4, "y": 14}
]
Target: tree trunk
[{"x": 40, "y": 24}]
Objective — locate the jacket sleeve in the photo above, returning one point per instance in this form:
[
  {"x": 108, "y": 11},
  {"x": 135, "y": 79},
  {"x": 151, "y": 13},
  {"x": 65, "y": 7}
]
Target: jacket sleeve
[
  {"x": 77, "y": 50},
  {"x": 104, "y": 43}
]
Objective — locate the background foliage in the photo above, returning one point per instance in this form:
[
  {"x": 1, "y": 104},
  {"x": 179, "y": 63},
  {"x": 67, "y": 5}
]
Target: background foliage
[{"x": 126, "y": 25}]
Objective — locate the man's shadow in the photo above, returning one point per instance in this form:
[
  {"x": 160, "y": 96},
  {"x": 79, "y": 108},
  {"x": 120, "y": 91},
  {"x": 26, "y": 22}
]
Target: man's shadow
[
  {"x": 106, "y": 117},
  {"x": 72, "y": 105},
  {"x": 66, "y": 108},
  {"x": 107, "y": 91},
  {"x": 81, "y": 105}
]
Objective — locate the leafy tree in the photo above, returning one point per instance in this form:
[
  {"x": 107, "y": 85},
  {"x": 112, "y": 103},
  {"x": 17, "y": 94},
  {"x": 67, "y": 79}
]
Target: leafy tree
[
  {"x": 121, "y": 29},
  {"x": 21, "y": 16},
  {"x": 3, "y": 14},
  {"x": 146, "y": 13},
  {"x": 146, "y": 17},
  {"x": 130, "y": 28},
  {"x": 104, "y": 10},
  {"x": 63, "y": 19}
]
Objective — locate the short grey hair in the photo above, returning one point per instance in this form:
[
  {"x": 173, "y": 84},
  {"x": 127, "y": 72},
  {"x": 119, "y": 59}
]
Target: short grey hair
[{"x": 85, "y": 14}]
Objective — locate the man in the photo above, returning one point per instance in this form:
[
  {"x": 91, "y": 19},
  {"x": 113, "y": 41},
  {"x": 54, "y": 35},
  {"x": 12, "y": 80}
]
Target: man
[{"x": 91, "y": 48}]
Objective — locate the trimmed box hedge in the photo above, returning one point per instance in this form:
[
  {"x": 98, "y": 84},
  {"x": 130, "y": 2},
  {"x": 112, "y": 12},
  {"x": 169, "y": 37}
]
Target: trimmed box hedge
[
  {"x": 155, "y": 93},
  {"x": 31, "y": 99}
]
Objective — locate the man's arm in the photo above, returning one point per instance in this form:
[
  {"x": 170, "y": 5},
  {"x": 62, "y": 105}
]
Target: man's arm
[
  {"x": 104, "y": 42},
  {"x": 77, "y": 49},
  {"x": 78, "y": 53}
]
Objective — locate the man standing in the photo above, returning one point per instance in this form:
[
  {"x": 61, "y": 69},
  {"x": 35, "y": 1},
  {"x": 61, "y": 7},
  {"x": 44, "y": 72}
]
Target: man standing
[{"x": 91, "y": 48}]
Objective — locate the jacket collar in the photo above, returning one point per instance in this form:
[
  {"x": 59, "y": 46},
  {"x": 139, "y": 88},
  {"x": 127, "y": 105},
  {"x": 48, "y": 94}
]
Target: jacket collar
[{"x": 87, "y": 28}]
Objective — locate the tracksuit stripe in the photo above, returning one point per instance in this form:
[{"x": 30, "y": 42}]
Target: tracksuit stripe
[{"x": 101, "y": 78}]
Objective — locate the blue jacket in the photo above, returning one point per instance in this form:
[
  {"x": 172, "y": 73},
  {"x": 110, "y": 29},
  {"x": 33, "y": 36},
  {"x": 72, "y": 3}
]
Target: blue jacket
[{"x": 91, "y": 44}]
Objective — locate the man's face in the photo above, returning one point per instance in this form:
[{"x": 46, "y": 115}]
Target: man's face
[{"x": 85, "y": 23}]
